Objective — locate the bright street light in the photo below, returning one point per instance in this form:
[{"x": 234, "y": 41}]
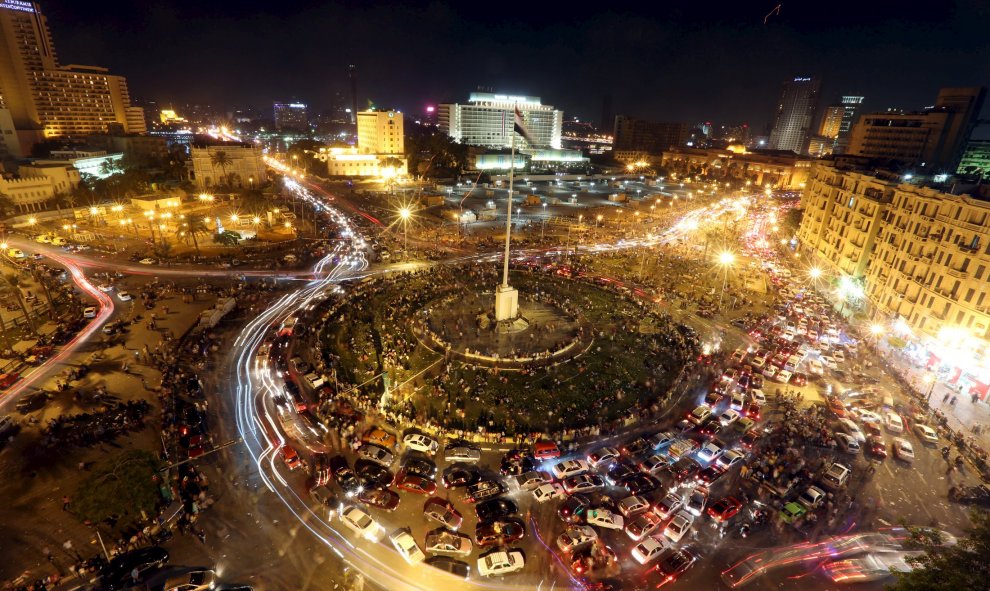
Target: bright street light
[{"x": 814, "y": 272}]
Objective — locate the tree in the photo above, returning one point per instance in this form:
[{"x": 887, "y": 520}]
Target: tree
[
  {"x": 221, "y": 159},
  {"x": 111, "y": 167},
  {"x": 12, "y": 284},
  {"x": 7, "y": 206},
  {"x": 949, "y": 567},
  {"x": 121, "y": 488},
  {"x": 227, "y": 238},
  {"x": 197, "y": 225}
]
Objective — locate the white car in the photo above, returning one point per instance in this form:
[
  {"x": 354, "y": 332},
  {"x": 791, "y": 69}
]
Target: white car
[
  {"x": 642, "y": 525},
  {"x": 730, "y": 459},
  {"x": 576, "y": 536},
  {"x": 816, "y": 367},
  {"x": 532, "y": 480},
  {"x": 678, "y": 526},
  {"x": 847, "y": 443},
  {"x": 602, "y": 456},
  {"x": 105, "y": 287},
  {"x": 700, "y": 414},
  {"x": 376, "y": 454},
  {"x": 893, "y": 422},
  {"x": 124, "y": 296},
  {"x": 361, "y": 523},
  {"x": 407, "y": 546},
  {"x": 197, "y": 580},
  {"x": 583, "y": 483},
  {"x": 569, "y": 468},
  {"x": 812, "y": 498},
  {"x": 758, "y": 396},
  {"x": 710, "y": 451},
  {"x": 501, "y": 563},
  {"x": 829, "y": 362},
  {"x": 605, "y": 518},
  {"x": 89, "y": 312},
  {"x": 667, "y": 506},
  {"x": 16, "y": 253},
  {"x": 634, "y": 505},
  {"x": 839, "y": 356},
  {"x": 926, "y": 433},
  {"x": 783, "y": 376},
  {"x": 654, "y": 464},
  {"x": 903, "y": 449},
  {"x": 738, "y": 401},
  {"x": 147, "y": 261},
  {"x": 728, "y": 417},
  {"x": 462, "y": 454},
  {"x": 421, "y": 443},
  {"x": 867, "y": 416},
  {"x": 649, "y": 549},
  {"x": 546, "y": 492},
  {"x": 770, "y": 371},
  {"x": 847, "y": 426}
]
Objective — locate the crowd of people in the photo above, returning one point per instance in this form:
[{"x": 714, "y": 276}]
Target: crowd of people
[{"x": 93, "y": 428}]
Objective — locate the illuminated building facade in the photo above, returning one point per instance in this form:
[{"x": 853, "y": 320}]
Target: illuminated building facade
[
  {"x": 381, "y": 132},
  {"x": 651, "y": 137},
  {"x": 290, "y": 117},
  {"x": 487, "y": 120},
  {"x": 976, "y": 158},
  {"x": 246, "y": 166},
  {"x": 850, "y": 113},
  {"x": 795, "y": 118},
  {"x": 780, "y": 170},
  {"x": 48, "y": 100}
]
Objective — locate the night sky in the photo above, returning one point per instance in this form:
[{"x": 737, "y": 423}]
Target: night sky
[{"x": 679, "y": 61}]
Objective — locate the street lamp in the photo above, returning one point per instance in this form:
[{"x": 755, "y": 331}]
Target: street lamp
[
  {"x": 725, "y": 259},
  {"x": 876, "y": 329},
  {"x": 405, "y": 214}
]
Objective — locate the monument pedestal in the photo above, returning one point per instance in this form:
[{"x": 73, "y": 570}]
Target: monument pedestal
[{"x": 506, "y": 303}]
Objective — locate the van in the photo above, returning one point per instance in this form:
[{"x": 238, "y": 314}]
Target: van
[
  {"x": 836, "y": 476},
  {"x": 546, "y": 450},
  {"x": 314, "y": 380},
  {"x": 682, "y": 447}
]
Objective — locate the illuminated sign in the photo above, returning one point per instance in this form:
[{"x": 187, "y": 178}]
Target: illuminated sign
[{"x": 17, "y": 5}]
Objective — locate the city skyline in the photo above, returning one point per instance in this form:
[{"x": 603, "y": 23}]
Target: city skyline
[{"x": 717, "y": 63}]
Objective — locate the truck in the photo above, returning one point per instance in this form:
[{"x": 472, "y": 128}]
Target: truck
[{"x": 210, "y": 318}]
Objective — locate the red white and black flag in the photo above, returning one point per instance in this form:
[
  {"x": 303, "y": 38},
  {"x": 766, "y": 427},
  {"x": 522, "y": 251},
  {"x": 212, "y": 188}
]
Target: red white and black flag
[{"x": 520, "y": 127}]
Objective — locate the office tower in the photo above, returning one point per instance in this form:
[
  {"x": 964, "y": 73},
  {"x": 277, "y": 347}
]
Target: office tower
[
  {"x": 850, "y": 113},
  {"x": 651, "y": 137},
  {"x": 976, "y": 158},
  {"x": 291, "y": 117},
  {"x": 487, "y": 120},
  {"x": 48, "y": 100},
  {"x": 831, "y": 121},
  {"x": 932, "y": 139},
  {"x": 380, "y": 132},
  {"x": 794, "y": 121}
]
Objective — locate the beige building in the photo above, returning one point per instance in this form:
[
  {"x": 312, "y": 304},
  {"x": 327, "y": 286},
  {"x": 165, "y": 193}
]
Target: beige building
[
  {"x": 351, "y": 162},
  {"x": 380, "y": 132},
  {"x": 780, "y": 170},
  {"x": 245, "y": 166},
  {"x": 28, "y": 193},
  {"x": 380, "y": 150}
]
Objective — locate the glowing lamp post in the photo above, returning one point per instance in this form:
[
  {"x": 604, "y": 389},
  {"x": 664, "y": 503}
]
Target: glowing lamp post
[
  {"x": 725, "y": 259},
  {"x": 405, "y": 214}
]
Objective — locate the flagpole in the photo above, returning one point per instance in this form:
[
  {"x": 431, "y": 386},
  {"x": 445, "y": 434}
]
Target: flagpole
[{"x": 508, "y": 217}]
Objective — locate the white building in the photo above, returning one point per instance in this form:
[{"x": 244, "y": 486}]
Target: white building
[
  {"x": 244, "y": 164},
  {"x": 381, "y": 132},
  {"x": 488, "y": 120},
  {"x": 351, "y": 162}
]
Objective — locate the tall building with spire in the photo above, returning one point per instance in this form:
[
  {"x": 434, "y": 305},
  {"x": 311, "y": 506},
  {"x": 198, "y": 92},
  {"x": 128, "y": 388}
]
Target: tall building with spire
[{"x": 48, "y": 100}]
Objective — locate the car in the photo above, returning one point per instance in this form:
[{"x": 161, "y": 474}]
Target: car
[
  {"x": 620, "y": 470},
  {"x": 147, "y": 261},
  {"x": 876, "y": 446},
  {"x": 447, "y": 542},
  {"x": 324, "y": 496},
  {"x": 373, "y": 475},
  {"x": 546, "y": 450},
  {"x": 460, "y": 475},
  {"x": 642, "y": 525},
  {"x": 682, "y": 448},
  {"x": 866, "y": 416},
  {"x": 758, "y": 396},
  {"x": 662, "y": 440},
  {"x": 783, "y": 376},
  {"x": 737, "y": 401},
  {"x": 654, "y": 464},
  {"x": 532, "y": 480},
  {"x": 697, "y": 500},
  {"x": 407, "y": 547},
  {"x": 602, "y": 457},
  {"x": 752, "y": 411},
  {"x": 674, "y": 565},
  {"x": 443, "y": 512},
  {"x": 685, "y": 469},
  {"x": 124, "y": 296},
  {"x": 713, "y": 398},
  {"x": 16, "y": 253},
  {"x": 870, "y": 567},
  {"x": 729, "y": 416},
  {"x": 421, "y": 443},
  {"x": 893, "y": 422},
  {"x": 592, "y": 558},
  {"x": 576, "y": 536},
  {"x": 729, "y": 459},
  {"x": 851, "y": 428},
  {"x": 812, "y": 498},
  {"x": 361, "y": 523},
  {"x": 43, "y": 239},
  {"x": 640, "y": 483},
  {"x": 835, "y": 476},
  {"x": 634, "y": 447},
  {"x": 290, "y": 457},
  {"x": 903, "y": 450},
  {"x": 759, "y": 362},
  {"x": 568, "y": 468},
  {"x": 669, "y": 505},
  {"x": 499, "y": 533},
  {"x": 197, "y": 580},
  {"x": 573, "y": 509},
  {"x": 419, "y": 465},
  {"x": 89, "y": 312},
  {"x": 816, "y": 367},
  {"x": 829, "y": 362},
  {"x": 380, "y": 498},
  {"x": 583, "y": 483},
  {"x": 379, "y": 455},
  {"x": 649, "y": 549},
  {"x": 501, "y": 562},
  {"x": 710, "y": 428},
  {"x": 117, "y": 573},
  {"x": 495, "y": 509},
  {"x": 792, "y": 512},
  {"x": 710, "y": 474},
  {"x": 679, "y": 526},
  {"x": 847, "y": 443},
  {"x": 546, "y": 492},
  {"x": 450, "y": 565},
  {"x": 971, "y": 495},
  {"x": 415, "y": 484},
  {"x": 711, "y": 450},
  {"x": 749, "y": 439},
  {"x": 461, "y": 454},
  {"x": 605, "y": 518},
  {"x": 724, "y": 509},
  {"x": 699, "y": 414},
  {"x": 379, "y": 437},
  {"x": 770, "y": 371},
  {"x": 926, "y": 434},
  {"x": 516, "y": 462},
  {"x": 799, "y": 379},
  {"x": 633, "y": 505},
  {"x": 839, "y": 356}
]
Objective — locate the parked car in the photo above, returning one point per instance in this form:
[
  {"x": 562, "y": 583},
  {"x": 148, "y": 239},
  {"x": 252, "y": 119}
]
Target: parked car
[
  {"x": 407, "y": 547},
  {"x": 576, "y": 536},
  {"x": 501, "y": 562},
  {"x": 443, "y": 512},
  {"x": 447, "y": 542},
  {"x": 499, "y": 533}
]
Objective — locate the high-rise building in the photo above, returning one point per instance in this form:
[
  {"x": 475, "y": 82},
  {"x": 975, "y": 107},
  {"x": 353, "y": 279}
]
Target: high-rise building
[
  {"x": 932, "y": 139},
  {"x": 793, "y": 124},
  {"x": 487, "y": 119},
  {"x": 832, "y": 121},
  {"x": 48, "y": 100},
  {"x": 976, "y": 158},
  {"x": 291, "y": 117},
  {"x": 630, "y": 134},
  {"x": 850, "y": 112},
  {"x": 380, "y": 132}
]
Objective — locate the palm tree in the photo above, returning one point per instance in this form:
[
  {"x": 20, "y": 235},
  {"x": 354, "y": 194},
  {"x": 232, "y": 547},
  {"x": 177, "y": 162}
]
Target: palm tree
[
  {"x": 197, "y": 225},
  {"x": 12, "y": 283},
  {"x": 221, "y": 159},
  {"x": 110, "y": 167},
  {"x": 41, "y": 279}
]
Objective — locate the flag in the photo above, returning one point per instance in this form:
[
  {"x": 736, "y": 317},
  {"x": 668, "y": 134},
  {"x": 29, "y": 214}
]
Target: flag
[{"x": 520, "y": 128}]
